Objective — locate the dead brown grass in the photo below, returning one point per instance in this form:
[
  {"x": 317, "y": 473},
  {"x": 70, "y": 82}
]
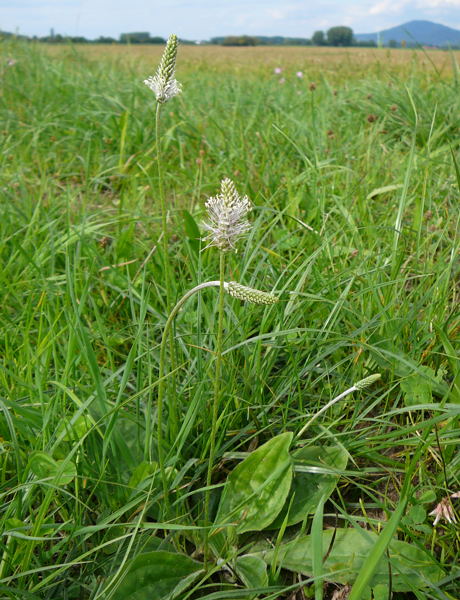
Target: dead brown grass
[{"x": 311, "y": 60}]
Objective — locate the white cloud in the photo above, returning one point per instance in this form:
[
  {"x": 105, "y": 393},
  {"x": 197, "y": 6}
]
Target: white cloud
[
  {"x": 387, "y": 7},
  {"x": 390, "y": 7},
  {"x": 276, "y": 14},
  {"x": 201, "y": 19},
  {"x": 438, "y": 3}
]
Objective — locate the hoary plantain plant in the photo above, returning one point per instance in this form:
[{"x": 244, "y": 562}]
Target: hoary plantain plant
[
  {"x": 283, "y": 483},
  {"x": 227, "y": 223},
  {"x": 278, "y": 485}
]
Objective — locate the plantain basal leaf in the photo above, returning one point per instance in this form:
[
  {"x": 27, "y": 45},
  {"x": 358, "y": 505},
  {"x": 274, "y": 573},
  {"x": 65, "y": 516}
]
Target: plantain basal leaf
[
  {"x": 45, "y": 467},
  {"x": 257, "y": 488},
  {"x": 312, "y": 481},
  {"x": 252, "y": 570},
  {"x": 160, "y": 575},
  {"x": 411, "y": 567}
]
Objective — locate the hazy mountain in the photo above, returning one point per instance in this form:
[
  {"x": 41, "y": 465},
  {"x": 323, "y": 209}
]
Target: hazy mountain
[{"x": 422, "y": 32}]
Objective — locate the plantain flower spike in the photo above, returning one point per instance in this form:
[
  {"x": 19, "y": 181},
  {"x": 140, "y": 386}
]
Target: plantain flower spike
[
  {"x": 248, "y": 294},
  {"x": 227, "y": 217},
  {"x": 360, "y": 385},
  {"x": 163, "y": 83}
]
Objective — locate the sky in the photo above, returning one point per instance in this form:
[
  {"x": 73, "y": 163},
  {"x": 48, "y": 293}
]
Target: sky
[{"x": 203, "y": 19}]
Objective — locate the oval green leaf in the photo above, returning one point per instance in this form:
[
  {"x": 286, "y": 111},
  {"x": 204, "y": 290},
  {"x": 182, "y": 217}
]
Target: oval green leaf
[
  {"x": 256, "y": 489},
  {"x": 308, "y": 488},
  {"x": 160, "y": 575},
  {"x": 61, "y": 472},
  {"x": 252, "y": 571},
  {"x": 411, "y": 567}
]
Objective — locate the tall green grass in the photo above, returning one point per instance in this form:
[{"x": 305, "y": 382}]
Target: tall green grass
[{"x": 355, "y": 228}]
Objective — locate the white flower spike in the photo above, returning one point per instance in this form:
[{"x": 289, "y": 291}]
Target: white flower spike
[
  {"x": 227, "y": 217},
  {"x": 163, "y": 83}
]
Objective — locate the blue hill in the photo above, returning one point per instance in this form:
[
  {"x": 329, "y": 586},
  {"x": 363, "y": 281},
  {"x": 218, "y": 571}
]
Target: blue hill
[{"x": 421, "y": 32}]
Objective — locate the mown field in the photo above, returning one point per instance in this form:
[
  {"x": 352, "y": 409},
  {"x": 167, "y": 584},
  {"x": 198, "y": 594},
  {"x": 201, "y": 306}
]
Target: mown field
[{"x": 353, "y": 171}]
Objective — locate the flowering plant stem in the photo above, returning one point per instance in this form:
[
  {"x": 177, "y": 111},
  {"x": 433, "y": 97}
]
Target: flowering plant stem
[
  {"x": 217, "y": 378},
  {"x": 357, "y": 386},
  {"x": 161, "y": 195},
  {"x": 325, "y": 408},
  {"x": 166, "y": 267},
  {"x": 162, "y": 377},
  {"x": 236, "y": 291}
]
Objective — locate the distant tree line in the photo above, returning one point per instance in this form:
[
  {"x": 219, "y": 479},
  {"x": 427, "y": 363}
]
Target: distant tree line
[
  {"x": 260, "y": 40},
  {"x": 335, "y": 36},
  {"x": 138, "y": 37}
]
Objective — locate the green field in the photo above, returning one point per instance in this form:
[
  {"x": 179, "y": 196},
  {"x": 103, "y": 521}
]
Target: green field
[{"x": 261, "y": 485}]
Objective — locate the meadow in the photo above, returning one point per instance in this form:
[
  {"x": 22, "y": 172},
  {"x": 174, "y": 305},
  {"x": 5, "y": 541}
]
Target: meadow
[{"x": 268, "y": 481}]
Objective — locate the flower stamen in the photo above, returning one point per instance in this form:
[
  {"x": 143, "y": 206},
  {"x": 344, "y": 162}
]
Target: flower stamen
[
  {"x": 163, "y": 83},
  {"x": 227, "y": 217}
]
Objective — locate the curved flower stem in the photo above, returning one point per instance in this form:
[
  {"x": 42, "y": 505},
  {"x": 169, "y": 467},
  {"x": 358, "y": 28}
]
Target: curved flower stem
[
  {"x": 359, "y": 385},
  {"x": 162, "y": 377},
  {"x": 325, "y": 408},
  {"x": 237, "y": 291}
]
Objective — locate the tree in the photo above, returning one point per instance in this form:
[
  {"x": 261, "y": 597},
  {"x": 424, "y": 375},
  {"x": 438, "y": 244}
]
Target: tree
[
  {"x": 105, "y": 40},
  {"x": 78, "y": 39},
  {"x": 156, "y": 40},
  {"x": 366, "y": 43},
  {"x": 340, "y": 36},
  {"x": 241, "y": 40},
  {"x": 318, "y": 38},
  {"x": 138, "y": 37}
]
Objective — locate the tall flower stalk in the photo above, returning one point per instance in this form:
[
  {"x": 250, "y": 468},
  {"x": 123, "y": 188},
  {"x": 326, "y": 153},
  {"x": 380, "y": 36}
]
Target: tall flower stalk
[
  {"x": 227, "y": 223},
  {"x": 359, "y": 385},
  {"x": 165, "y": 87},
  {"x": 217, "y": 380},
  {"x": 235, "y": 290}
]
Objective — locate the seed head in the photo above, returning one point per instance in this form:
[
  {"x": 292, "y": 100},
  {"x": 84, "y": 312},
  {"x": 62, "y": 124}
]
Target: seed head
[
  {"x": 163, "y": 83},
  {"x": 227, "y": 217},
  {"x": 249, "y": 294},
  {"x": 360, "y": 385}
]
